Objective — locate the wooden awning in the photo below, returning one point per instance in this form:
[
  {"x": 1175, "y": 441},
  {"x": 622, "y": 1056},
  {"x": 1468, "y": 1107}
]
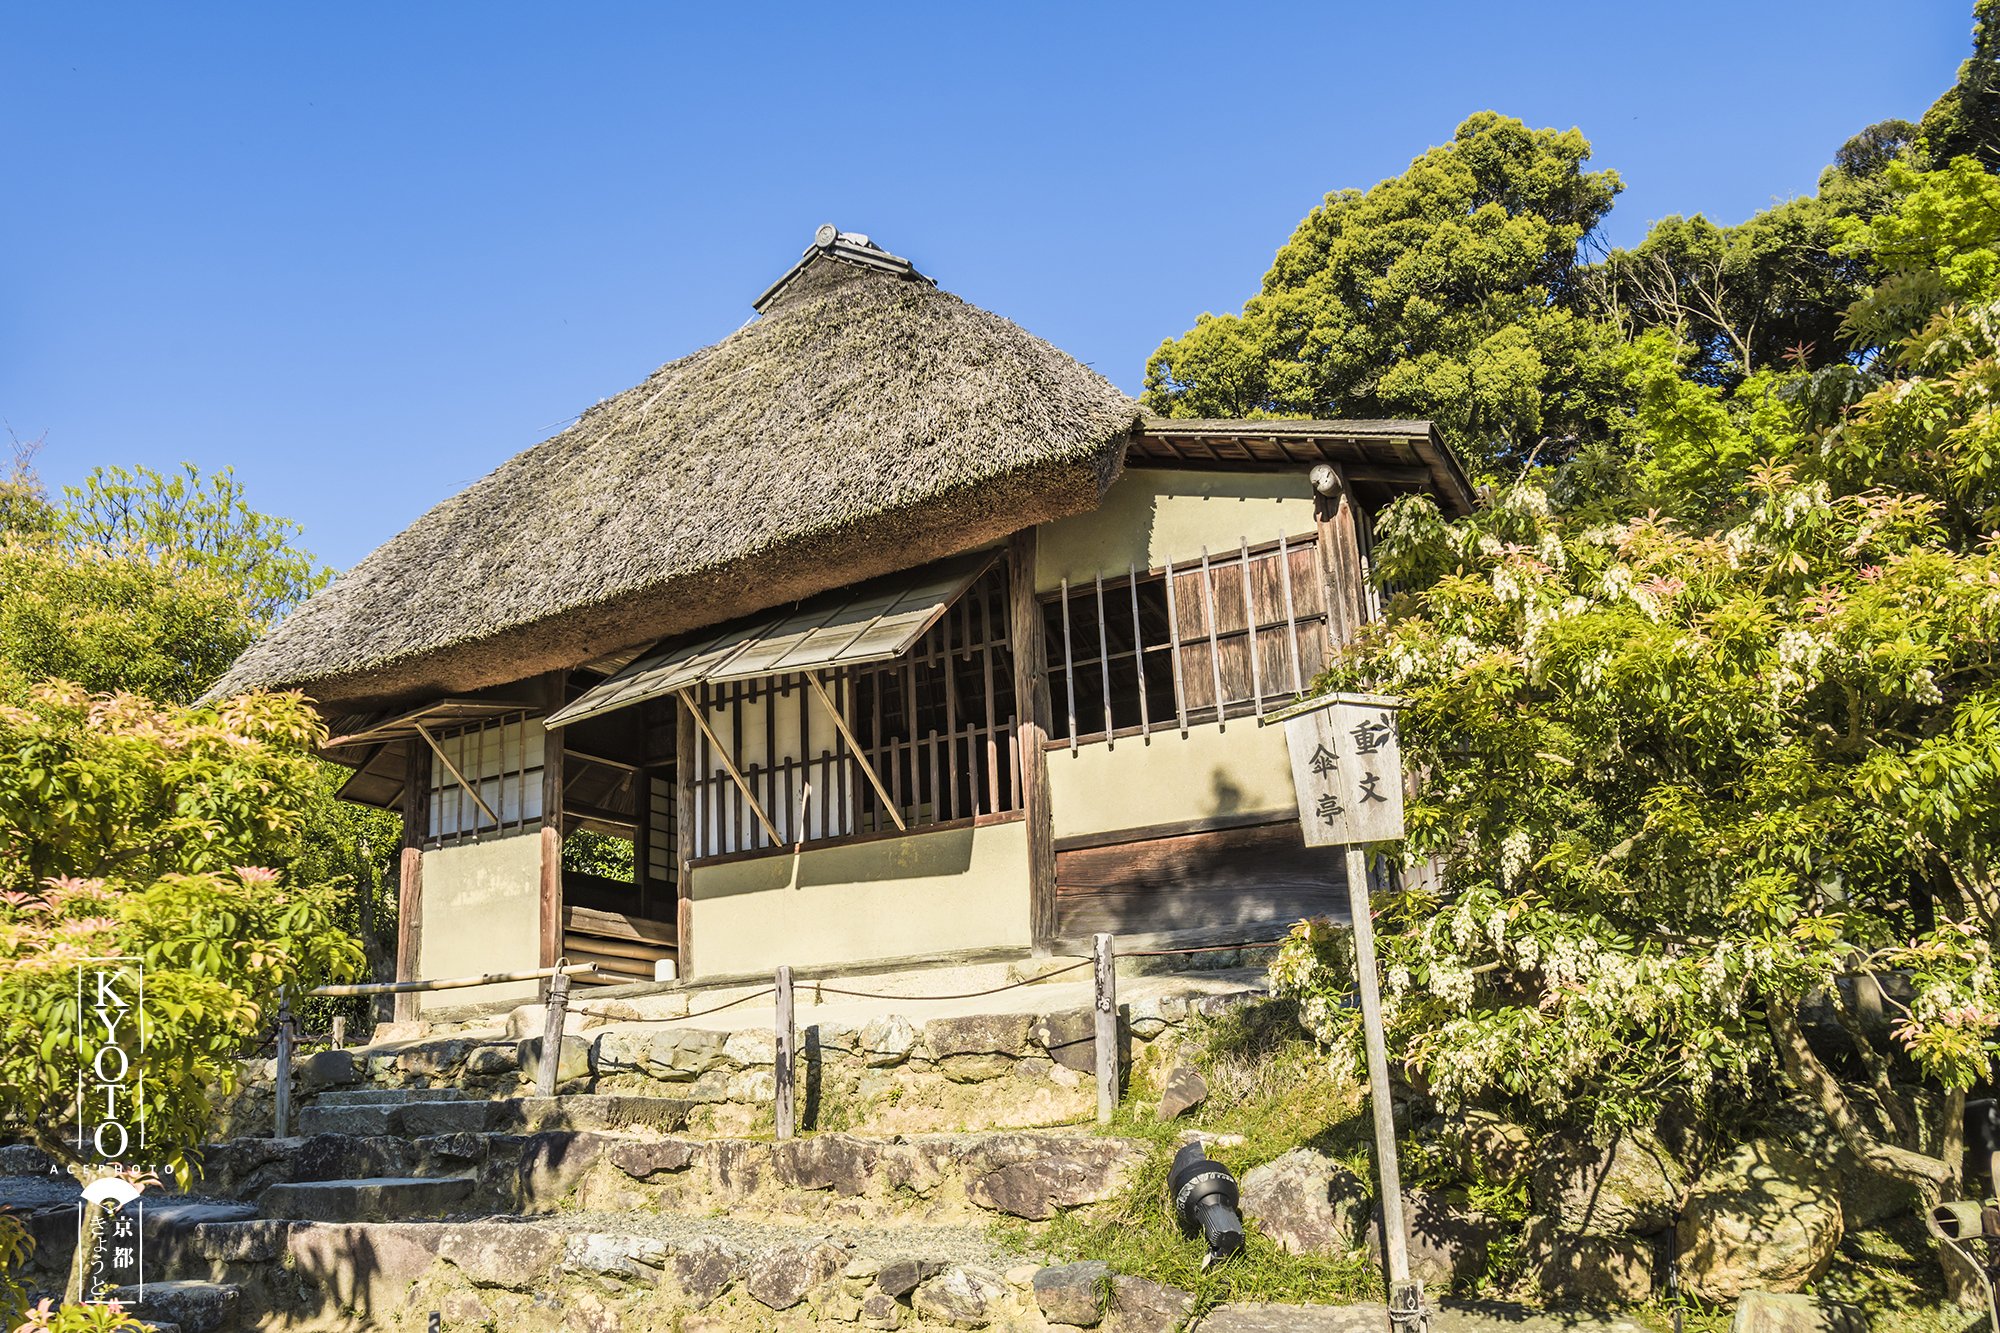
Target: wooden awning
[
  {"x": 873, "y": 622},
  {"x": 1397, "y": 456},
  {"x": 374, "y": 728}
]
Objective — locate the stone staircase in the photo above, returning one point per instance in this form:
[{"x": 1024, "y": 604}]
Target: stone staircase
[{"x": 597, "y": 1212}]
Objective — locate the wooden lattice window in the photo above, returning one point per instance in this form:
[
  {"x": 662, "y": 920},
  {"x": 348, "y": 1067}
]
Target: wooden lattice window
[
  {"x": 1197, "y": 641},
  {"x": 937, "y": 725},
  {"x": 486, "y": 778}
]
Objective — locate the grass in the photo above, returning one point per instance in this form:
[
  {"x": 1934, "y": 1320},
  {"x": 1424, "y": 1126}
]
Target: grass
[{"x": 1268, "y": 1085}]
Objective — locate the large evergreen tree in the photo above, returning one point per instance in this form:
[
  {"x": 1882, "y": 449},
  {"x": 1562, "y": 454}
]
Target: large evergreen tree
[{"x": 1450, "y": 292}]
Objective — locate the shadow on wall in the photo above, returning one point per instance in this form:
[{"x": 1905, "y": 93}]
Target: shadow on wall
[
  {"x": 917, "y": 855},
  {"x": 1225, "y": 797}
]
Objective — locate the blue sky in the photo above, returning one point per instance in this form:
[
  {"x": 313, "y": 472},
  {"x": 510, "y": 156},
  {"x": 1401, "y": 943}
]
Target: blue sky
[{"x": 362, "y": 253}]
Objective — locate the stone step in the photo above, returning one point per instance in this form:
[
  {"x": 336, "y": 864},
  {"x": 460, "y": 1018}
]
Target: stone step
[
  {"x": 379, "y": 1199},
  {"x": 557, "y": 1271},
  {"x": 194, "y": 1307},
  {"x": 420, "y": 1117},
  {"x": 836, "y": 1178},
  {"x": 372, "y": 1096}
]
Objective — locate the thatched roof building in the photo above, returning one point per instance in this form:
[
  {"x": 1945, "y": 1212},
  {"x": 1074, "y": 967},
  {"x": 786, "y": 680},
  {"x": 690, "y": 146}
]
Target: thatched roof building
[
  {"x": 880, "y": 630},
  {"x": 863, "y": 422}
]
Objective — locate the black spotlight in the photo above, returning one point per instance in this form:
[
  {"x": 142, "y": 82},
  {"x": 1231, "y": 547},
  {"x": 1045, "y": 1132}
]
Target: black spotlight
[{"x": 1204, "y": 1199}]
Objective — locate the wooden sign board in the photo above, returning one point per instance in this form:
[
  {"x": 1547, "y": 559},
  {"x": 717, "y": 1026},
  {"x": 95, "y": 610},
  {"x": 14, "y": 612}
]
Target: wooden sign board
[{"x": 1347, "y": 767}]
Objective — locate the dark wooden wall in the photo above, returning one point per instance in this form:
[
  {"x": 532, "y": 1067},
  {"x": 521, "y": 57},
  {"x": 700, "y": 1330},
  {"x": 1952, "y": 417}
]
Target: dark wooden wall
[{"x": 1249, "y": 882}]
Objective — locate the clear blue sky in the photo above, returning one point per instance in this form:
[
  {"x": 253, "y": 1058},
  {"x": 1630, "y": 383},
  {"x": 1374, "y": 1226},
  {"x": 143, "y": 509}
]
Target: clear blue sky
[{"x": 362, "y": 253}]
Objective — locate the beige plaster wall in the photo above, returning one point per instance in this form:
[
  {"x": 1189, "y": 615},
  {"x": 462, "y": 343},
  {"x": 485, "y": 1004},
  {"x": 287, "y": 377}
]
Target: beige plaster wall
[
  {"x": 927, "y": 893},
  {"x": 482, "y": 913},
  {"x": 1237, "y": 768},
  {"x": 1152, "y": 515}
]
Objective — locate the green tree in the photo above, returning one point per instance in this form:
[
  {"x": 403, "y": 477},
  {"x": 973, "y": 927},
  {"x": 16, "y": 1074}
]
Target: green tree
[
  {"x": 1450, "y": 292},
  {"x": 141, "y": 581},
  {"x": 153, "y": 584},
  {"x": 164, "y": 834},
  {"x": 1773, "y": 291},
  {"x": 1965, "y": 121},
  {"x": 1694, "y": 773}
]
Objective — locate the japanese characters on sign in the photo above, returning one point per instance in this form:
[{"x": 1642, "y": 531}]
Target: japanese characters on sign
[{"x": 1348, "y": 771}]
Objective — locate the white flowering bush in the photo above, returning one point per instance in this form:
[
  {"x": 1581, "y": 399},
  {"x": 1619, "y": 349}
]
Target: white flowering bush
[{"x": 1699, "y": 749}]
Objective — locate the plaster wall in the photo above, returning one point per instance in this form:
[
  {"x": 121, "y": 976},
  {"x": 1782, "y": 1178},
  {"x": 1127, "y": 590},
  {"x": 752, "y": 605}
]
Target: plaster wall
[
  {"x": 922, "y": 894},
  {"x": 1236, "y": 768},
  {"x": 1152, "y": 515},
  {"x": 482, "y": 913}
]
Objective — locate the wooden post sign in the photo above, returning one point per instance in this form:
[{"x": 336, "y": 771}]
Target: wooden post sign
[{"x": 1347, "y": 768}]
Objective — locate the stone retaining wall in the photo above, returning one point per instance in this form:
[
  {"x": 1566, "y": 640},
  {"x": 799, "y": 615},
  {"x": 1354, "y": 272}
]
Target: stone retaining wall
[{"x": 891, "y": 1076}]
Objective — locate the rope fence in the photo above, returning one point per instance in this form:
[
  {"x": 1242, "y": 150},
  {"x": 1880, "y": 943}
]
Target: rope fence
[{"x": 1105, "y": 1038}]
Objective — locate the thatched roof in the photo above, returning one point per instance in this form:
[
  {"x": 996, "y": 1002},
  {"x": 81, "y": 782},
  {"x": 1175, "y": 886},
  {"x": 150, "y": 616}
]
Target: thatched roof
[{"x": 864, "y": 423}]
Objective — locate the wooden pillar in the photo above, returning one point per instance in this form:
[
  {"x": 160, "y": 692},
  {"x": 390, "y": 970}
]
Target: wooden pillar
[
  {"x": 684, "y": 850},
  {"x": 1340, "y": 562},
  {"x": 1031, "y": 706},
  {"x": 410, "y": 873},
  {"x": 552, "y": 825}
]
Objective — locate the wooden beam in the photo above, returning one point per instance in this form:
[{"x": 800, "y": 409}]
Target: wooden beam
[
  {"x": 1340, "y": 562},
  {"x": 729, "y": 767},
  {"x": 854, "y": 747},
  {"x": 1031, "y": 732},
  {"x": 410, "y": 880},
  {"x": 551, "y": 895},
  {"x": 684, "y": 848}
]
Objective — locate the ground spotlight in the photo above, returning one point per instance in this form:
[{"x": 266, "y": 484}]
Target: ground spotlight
[{"x": 1204, "y": 1198}]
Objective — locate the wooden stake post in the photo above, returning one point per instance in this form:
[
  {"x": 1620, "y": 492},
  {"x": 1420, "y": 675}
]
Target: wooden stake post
[
  {"x": 552, "y": 1035},
  {"x": 1106, "y": 1007},
  {"x": 282, "y": 1093},
  {"x": 1347, "y": 768},
  {"x": 786, "y": 1064}
]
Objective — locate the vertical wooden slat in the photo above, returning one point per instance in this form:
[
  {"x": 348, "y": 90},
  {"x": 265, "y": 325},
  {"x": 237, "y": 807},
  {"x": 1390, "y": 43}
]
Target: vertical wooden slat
[
  {"x": 1139, "y": 651},
  {"x": 889, "y": 754},
  {"x": 993, "y": 802},
  {"x": 477, "y": 772},
  {"x": 1104, "y": 662},
  {"x": 1291, "y": 615},
  {"x": 767, "y": 694},
  {"x": 1214, "y": 647},
  {"x": 948, "y": 808},
  {"x": 1250, "y": 619},
  {"x": 1069, "y": 669},
  {"x": 805, "y": 767},
  {"x": 1174, "y": 638},
  {"x": 552, "y": 824},
  {"x": 1031, "y": 706},
  {"x": 916, "y": 795},
  {"x": 684, "y": 837},
  {"x": 410, "y": 879}
]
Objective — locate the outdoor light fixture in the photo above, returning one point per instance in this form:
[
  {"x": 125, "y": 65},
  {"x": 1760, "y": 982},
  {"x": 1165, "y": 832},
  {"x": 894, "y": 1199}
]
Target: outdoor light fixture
[{"x": 1204, "y": 1198}]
